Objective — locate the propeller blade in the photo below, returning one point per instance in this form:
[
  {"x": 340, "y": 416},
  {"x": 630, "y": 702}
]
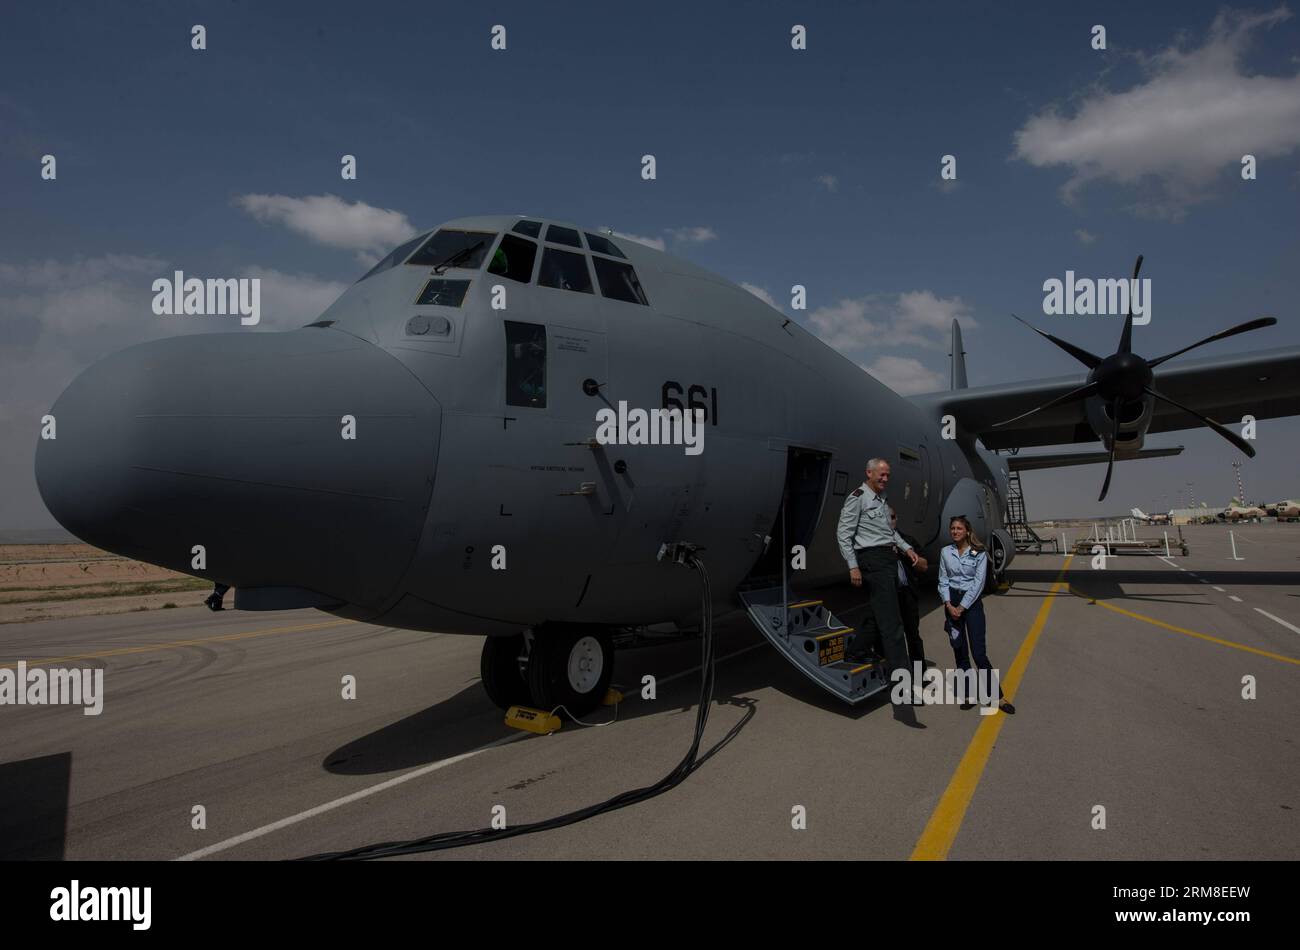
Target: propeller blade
[
  {"x": 1080, "y": 354},
  {"x": 1087, "y": 389},
  {"x": 1240, "y": 328},
  {"x": 1114, "y": 437},
  {"x": 1231, "y": 436},
  {"x": 1126, "y": 335}
]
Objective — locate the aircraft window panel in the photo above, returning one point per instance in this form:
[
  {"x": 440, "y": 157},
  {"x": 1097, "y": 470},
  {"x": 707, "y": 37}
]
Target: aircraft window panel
[
  {"x": 525, "y": 364},
  {"x": 393, "y": 257},
  {"x": 618, "y": 281},
  {"x": 532, "y": 229},
  {"x": 442, "y": 293},
  {"x": 603, "y": 245},
  {"x": 466, "y": 248},
  {"x": 556, "y": 234},
  {"x": 513, "y": 259},
  {"x": 564, "y": 270}
]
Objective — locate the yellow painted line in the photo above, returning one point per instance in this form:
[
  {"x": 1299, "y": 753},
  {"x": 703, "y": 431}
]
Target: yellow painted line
[
  {"x": 1185, "y": 631},
  {"x": 150, "y": 648},
  {"x": 941, "y": 830}
]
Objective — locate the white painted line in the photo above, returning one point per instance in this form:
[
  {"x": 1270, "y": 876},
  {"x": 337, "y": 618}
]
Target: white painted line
[
  {"x": 1219, "y": 589},
  {"x": 1192, "y": 574},
  {"x": 1290, "y": 627},
  {"x": 1182, "y": 568},
  {"x": 345, "y": 800},
  {"x": 1234, "y": 597},
  {"x": 394, "y": 782}
]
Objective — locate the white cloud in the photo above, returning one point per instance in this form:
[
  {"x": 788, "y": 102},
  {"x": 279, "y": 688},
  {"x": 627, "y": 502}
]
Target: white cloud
[
  {"x": 905, "y": 375},
  {"x": 760, "y": 293},
  {"x": 697, "y": 235},
  {"x": 1196, "y": 114},
  {"x": 829, "y": 182},
  {"x": 656, "y": 243},
  {"x": 293, "y": 300},
  {"x": 326, "y": 219},
  {"x": 916, "y": 318},
  {"x": 1085, "y": 236}
]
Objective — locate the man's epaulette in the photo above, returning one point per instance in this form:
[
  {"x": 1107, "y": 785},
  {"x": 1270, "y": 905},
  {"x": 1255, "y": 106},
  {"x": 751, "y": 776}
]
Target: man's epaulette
[{"x": 856, "y": 492}]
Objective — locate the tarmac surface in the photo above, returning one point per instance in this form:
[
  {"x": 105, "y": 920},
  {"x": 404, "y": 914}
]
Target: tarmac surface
[{"x": 1128, "y": 683}]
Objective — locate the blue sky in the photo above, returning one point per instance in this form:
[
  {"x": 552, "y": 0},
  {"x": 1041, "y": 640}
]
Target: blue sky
[{"x": 775, "y": 167}]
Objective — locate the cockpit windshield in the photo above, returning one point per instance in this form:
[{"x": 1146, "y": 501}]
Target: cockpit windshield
[
  {"x": 463, "y": 249},
  {"x": 394, "y": 257}
]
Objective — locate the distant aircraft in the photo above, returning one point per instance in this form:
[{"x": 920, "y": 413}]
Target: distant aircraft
[
  {"x": 1236, "y": 512},
  {"x": 1140, "y": 515},
  {"x": 423, "y": 455},
  {"x": 1287, "y": 510}
]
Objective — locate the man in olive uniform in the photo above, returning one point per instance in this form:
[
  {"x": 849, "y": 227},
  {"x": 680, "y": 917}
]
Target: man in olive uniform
[
  {"x": 868, "y": 542},
  {"x": 909, "y": 585}
]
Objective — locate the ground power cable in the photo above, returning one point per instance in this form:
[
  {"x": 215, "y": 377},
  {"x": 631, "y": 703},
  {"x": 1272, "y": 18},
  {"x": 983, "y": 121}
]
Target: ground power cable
[{"x": 682, "y": 554}]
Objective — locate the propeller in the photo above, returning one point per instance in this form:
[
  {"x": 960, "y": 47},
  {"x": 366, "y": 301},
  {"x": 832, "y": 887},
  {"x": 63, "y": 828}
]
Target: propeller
[{"x": 1124, "y": 377}]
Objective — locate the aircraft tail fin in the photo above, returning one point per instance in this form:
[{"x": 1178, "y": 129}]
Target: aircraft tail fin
[
  {"x": 958, "y": 358},
  {"x": 1138, "y": 513}
]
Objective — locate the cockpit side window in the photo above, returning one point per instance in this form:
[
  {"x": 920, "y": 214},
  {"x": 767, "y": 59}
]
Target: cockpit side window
[
  {"x": 394, "y": 257},
  {"x": 618, "y": 281},
  {"x": 556, "y": 234},
  {"x": 564, "y": 270},
  {"x": 532, "y": 229},
  {"x": 603, "y": 245},
  {"x": 525, "y": 364},
  {"x": 514, "y": 259},
  {"x": 463, "y": 249}
]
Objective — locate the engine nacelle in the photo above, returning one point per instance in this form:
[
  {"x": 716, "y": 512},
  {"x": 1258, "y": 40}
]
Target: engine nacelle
[{"x": 1134, "y": 418}]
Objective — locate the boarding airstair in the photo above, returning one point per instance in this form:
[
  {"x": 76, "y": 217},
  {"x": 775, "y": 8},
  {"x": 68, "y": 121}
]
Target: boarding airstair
[{"x": 811, "y": 638}]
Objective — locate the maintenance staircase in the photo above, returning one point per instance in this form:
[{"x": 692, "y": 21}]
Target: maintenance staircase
[
  {"x": 812, "y": 639},
  {"x": 1025, "y": 538}
]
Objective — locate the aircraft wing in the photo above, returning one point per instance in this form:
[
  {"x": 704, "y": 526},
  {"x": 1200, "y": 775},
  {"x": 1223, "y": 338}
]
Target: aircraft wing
[{"x": 1264, "y": 384}]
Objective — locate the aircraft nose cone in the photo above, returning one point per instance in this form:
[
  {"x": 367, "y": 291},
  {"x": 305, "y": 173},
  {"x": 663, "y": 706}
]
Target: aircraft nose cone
[{"x": 235, "y": 442}]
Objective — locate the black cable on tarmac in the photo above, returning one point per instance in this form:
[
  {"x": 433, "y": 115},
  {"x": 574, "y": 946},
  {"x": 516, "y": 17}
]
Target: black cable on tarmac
[{"x": 459, "y": 839}]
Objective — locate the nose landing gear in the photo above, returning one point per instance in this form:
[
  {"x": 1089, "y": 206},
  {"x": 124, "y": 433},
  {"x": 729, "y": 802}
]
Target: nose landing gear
[
  {"x": 215, "y": 598},
  {"x": 557, "y": 666}
]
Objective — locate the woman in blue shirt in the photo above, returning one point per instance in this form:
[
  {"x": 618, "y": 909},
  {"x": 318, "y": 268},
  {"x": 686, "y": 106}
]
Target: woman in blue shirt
[{"x": 962, "y": 569}]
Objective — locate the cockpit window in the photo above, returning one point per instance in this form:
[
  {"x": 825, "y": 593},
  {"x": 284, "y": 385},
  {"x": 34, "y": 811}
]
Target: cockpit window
[
  {"x": 531, "y": 228},
  {"x": 463, "y": 249},
  {"x": 442, "y": 293},
  {"x": 603, "y": 245},
  {"x": 565, "y": 271},
  {"x": 525, "y": 364},
  {"x": 559, "y": 235},
  {"x": 514, "y": 259},
  {"x": 618, "y": 281},
  {"x": 394, "y": 257}
]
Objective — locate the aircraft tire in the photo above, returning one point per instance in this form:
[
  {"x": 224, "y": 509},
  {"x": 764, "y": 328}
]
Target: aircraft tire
[
  {"x": 570, "y": 667},
  {"x": 499, "y": 667}
]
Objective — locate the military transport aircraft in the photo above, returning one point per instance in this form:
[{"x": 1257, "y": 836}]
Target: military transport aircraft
[{"x": 423, "y": 454}]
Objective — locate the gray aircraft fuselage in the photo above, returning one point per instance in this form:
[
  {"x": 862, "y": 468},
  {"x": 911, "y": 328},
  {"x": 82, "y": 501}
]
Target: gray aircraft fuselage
[{"x": 231, "y": 446}]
